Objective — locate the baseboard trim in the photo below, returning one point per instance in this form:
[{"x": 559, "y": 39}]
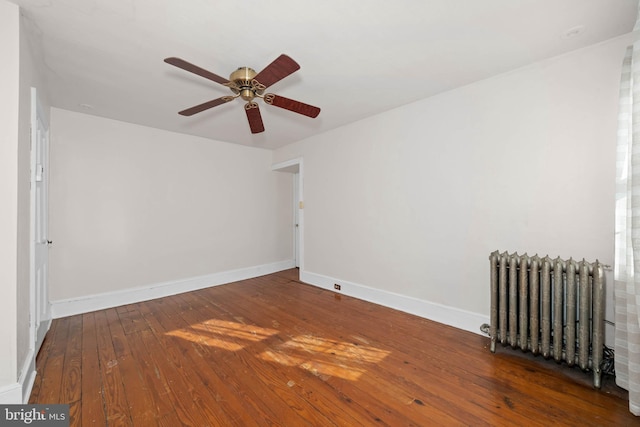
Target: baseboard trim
[
  {"x": 11, "y": 394},
  {"x": 447, "y": 315},
  {"x": 43, "y": 328},
  {"x": 18, "y": 393},
  {"x": 28, "y": 375},
  {"x": 70, "y": 307}
]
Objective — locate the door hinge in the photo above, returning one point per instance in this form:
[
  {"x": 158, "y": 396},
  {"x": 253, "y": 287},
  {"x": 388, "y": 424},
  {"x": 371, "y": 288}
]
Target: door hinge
[{"x": 39, "y": 172}]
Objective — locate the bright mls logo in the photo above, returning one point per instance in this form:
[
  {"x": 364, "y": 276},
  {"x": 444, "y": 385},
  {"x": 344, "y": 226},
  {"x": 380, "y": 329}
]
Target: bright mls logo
[{"x": 34, "y": 415}]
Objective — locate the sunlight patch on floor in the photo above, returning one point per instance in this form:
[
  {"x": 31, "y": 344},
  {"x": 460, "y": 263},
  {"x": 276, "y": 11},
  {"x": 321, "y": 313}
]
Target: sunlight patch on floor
[
  {"x": 223, "y": 334},
  {"x": 325, "y": 358}
]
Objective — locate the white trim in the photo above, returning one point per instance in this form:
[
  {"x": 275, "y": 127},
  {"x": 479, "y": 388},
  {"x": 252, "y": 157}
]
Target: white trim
[
  {"x": 28, "y": 375},
  {"x": 447, "y": 315},
  {"x": 70, "y": 307},
  {"x": 291, "y": 166},
  {"x": 18, "y": 393},
  {"x": 11, "y": 394},
  {"x": 43, "y": 328},
  {"x": 296, "y": 218}
]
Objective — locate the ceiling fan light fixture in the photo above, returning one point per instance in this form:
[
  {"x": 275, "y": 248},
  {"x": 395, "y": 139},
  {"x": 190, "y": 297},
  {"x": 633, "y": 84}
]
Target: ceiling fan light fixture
[{"x": 247, "y": 94}]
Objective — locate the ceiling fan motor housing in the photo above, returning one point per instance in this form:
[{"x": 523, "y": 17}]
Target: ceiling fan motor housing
[{"x": 242, "y": 79}]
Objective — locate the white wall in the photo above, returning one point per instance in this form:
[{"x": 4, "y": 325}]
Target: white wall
[
  {"x": 9, "y": 102},
  {"x": 18, "y": 72},
  {"x": 413, "y": 201},
  {"x": 133, "y": 207}
]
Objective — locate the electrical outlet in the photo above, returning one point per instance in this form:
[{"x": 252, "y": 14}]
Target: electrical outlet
[{"x": 336, "y": 287}]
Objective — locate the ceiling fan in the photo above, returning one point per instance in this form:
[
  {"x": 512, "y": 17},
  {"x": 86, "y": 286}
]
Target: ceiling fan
[{"x": 248, "y": 85}]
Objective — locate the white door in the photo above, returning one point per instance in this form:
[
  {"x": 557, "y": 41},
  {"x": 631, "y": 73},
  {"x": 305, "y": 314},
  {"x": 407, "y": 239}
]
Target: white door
[{"x": 40, "y": 308}]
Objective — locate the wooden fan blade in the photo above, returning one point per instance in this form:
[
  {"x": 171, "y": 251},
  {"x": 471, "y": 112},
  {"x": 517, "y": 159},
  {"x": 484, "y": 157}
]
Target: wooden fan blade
[
  {"x": 280, "y": 68},
  {"x": 292, "y": 105},
  {"x": 205, "y": 106},
  {"x": 254, "y": 117},
  {"x": 187, "y": 66}
]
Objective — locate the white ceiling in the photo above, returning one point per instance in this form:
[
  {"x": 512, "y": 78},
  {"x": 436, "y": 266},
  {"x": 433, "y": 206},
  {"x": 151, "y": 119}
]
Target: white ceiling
[{"x": 358, "y": 59}]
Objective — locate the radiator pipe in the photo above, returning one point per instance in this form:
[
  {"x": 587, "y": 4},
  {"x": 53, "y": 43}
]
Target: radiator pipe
[
  {"x": 598, "y": 325},
  {"x": 583, "y": 313},
  {"x": 513, "y": 302},
  {"x": 558, "y": 305},
  {"x": 572, "y": 294},
  {"x": 523, "y": 318},
  {"x": 493, "y": 327},
  {"x": 503, "y": 298},
  {"x": 546, "y": 307},
  {"x": 534, "y": 303}
]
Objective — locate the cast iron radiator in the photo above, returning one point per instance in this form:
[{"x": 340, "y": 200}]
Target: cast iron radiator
[{"x": 549, "y": 306}]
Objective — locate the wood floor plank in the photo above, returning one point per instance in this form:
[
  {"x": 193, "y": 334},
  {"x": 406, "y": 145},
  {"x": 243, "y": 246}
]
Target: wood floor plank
[
  {"x": 188, "y": 404},
  {"x": 115, "y": 402},
  {"x": 41, "y": 359},
  {"x": 138, "y": 396},
  {"x": 195, "y": 372},
  {"x": 92, "y": 410},
  {"x": 71, "y": 370},
  {"x": 131, "y": 319},
  {"x": 273, "y": 351},
  {"x": 50, "y": 386},
  {"x": 158, "y": 388}
]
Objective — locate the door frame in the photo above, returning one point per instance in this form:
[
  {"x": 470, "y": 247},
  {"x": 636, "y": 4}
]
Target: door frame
[
  {"x": 296, "y": 168},
  {"x": 296, "y": 219}
]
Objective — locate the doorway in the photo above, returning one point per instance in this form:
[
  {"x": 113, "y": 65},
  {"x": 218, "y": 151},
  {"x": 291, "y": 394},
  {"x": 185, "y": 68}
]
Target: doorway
[{"x": 295, "y": 168}]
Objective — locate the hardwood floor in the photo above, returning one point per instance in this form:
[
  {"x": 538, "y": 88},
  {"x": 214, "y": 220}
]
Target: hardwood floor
[{"x": 272, "y": 351}]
